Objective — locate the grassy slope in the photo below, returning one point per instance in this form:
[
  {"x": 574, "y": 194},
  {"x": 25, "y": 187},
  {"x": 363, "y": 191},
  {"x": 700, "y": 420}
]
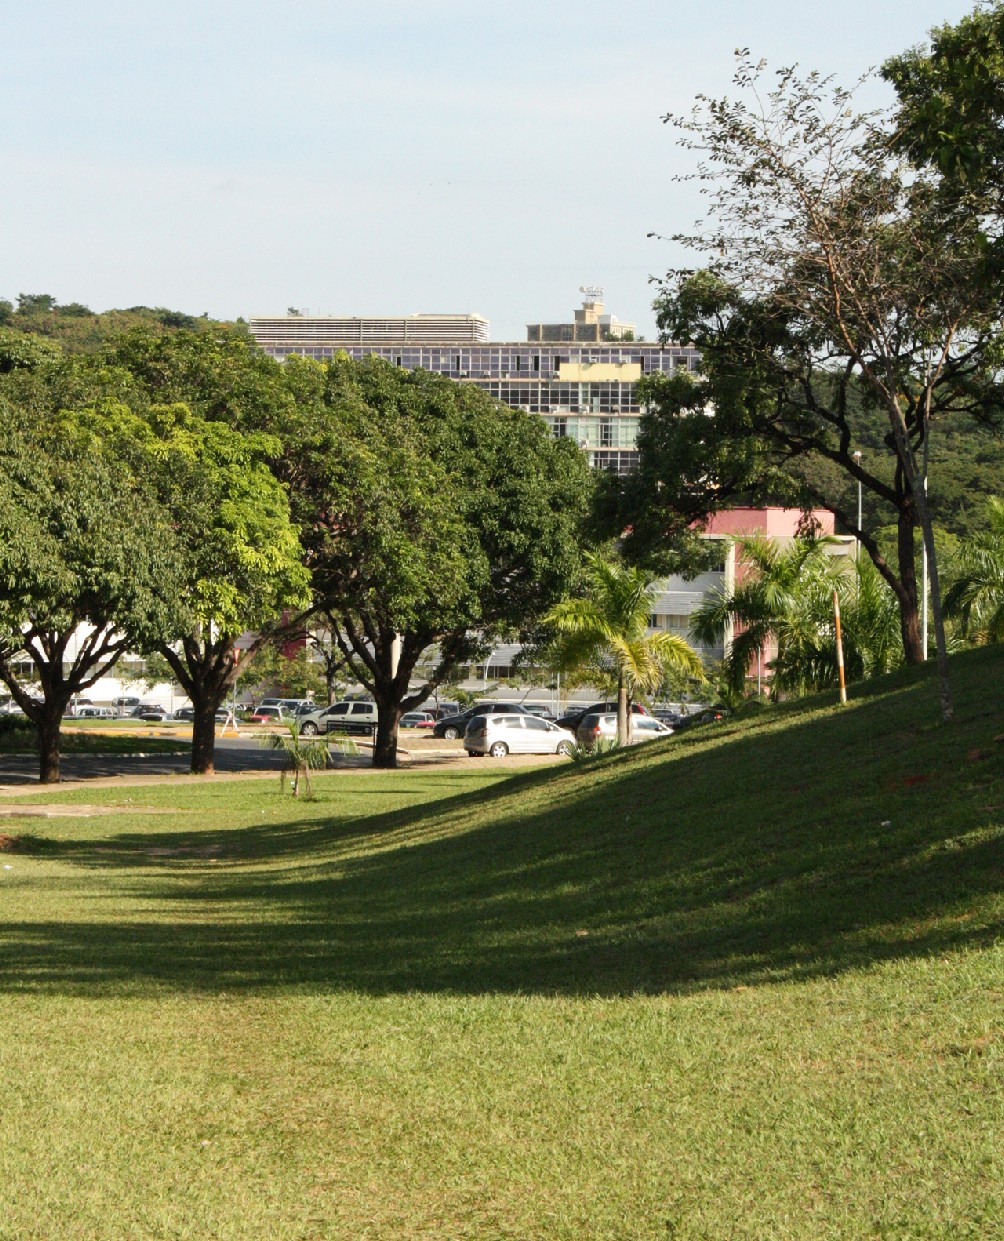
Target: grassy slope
[{"x": 745, "y": 984}]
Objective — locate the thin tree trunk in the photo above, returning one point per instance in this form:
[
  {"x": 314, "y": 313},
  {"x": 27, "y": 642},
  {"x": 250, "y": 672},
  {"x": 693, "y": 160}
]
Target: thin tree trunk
[
  {"x": 623, "y": 712},
  {"x": 945, "y": 684},
  {"x": 909, "y": 614}
]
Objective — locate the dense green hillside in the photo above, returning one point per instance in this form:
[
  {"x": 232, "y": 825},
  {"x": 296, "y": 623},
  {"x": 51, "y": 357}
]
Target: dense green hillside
[
  {"x": 79, "y": 329},
  {"x": 966, "y": 466}
]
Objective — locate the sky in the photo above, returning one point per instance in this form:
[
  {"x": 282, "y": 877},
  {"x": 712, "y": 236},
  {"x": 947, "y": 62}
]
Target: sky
[{"x": 238, "y": 157}]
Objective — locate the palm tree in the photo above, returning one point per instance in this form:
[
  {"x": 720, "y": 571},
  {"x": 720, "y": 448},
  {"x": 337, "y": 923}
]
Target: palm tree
[
  {"x": 301, "y": 754},
  {"x": 611, "y": 622},
  {"x": 976, "y": 595},
  {"x": 786, "y": 598}
]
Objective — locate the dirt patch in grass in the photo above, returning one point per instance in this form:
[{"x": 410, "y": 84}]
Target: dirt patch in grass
[{"x": 49, "y": 811}]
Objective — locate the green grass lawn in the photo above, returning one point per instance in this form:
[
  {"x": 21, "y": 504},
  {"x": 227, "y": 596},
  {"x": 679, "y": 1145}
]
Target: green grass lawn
[{"x": 747, "y": 983}]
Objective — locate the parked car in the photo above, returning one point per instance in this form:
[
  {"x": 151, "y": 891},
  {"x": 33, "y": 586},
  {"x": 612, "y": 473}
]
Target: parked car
[
  {"x": 540, "y": 711},
  {"x": 153, "y": 714},
  {"x": 707, "y": 715},
  {"x": 597, "y": 725},
  {"x": 266, "y": 715},
  {"x": 574, "y": 716},
  {"x": 454, "y": 726},
  {"x": 499, "y": 734},
  {"x": 185, "y": 713},
  {"x": 351, "y": 716},
  {"x": 441, "y": 710},
  {"x": 417, "y": 719},
  {"x": 291, "y": 706},
  {"x": 127, "y": 703},
  {"x": 138, "y": 710},
  {"x": 92, "y": 712}
]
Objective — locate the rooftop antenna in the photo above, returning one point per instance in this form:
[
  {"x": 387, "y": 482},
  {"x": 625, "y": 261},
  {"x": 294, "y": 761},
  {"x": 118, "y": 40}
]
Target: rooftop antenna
[{"x": 593, "y": 292}]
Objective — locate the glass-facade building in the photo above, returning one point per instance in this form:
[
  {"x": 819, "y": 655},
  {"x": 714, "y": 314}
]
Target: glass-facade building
[{"x": 586, "y": 390}]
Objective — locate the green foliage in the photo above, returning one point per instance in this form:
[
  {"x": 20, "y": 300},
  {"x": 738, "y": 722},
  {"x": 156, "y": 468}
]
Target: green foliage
[
  {"x": 216, "y": 371},
  {"x": 951, "y": 95},
  {"x": 839, "y": 291},
  {"x": 610, "y": 623},
  {"x": 602, "y": 745},
  {"x": 785, "y": 599},
  {"x": 88, "y": 564},
  {"x": 301, "y": 754},
  {"x": 15, "y": 730},
  {"x": 285, "y": 671},
  {"x": 432, "y": 515},
  {"x": 976, "y": 591},
  {"x": 35, "y": 304},
  {"x": 199, "y": 463},
  {"x": 21, "y": 352},
  {"x": 78, "y": 330}
]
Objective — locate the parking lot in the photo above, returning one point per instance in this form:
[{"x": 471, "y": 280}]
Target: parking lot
[{"x": 242, "y": 755}]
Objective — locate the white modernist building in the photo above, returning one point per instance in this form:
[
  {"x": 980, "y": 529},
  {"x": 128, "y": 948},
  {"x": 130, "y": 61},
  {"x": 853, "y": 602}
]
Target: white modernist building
[{"x": 581, "y": 377}]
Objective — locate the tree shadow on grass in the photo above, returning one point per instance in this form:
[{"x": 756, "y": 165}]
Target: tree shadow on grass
[{"x": 749, "y": 855}]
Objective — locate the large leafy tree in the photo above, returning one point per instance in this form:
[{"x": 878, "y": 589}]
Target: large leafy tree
[
  {"x": 88, "y": 568},
  {"x": 951, "y": 113},
  {"x": 242, "y": 579},
  {"x": 433, "y": 516},
  {"x": 198, "y": 406},
  {"x": 219, "y": 373},
  {"x": 609, "y": 623},
  {"x": 840, "y": 289}
]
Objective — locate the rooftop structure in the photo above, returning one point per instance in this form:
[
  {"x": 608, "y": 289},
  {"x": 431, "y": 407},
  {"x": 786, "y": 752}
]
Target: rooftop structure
[
  {"x": 591, "y": 325},
  {"x": 295, "y": 333}
]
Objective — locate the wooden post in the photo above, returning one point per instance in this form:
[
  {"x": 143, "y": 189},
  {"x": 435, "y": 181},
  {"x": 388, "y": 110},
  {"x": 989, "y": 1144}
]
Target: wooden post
[{"x": 840, "y": 649}]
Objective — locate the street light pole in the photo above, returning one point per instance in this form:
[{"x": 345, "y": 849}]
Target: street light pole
[
  {"x": 857, "y": 537},
  {"x": 923, "y": 574}
]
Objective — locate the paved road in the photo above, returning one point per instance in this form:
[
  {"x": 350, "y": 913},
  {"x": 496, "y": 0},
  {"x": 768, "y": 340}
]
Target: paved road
[{"x": 232, "y": 754}]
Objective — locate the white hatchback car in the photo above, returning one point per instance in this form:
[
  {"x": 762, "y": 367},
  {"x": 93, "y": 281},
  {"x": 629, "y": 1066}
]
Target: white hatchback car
[{"x": 499, "y": 735}]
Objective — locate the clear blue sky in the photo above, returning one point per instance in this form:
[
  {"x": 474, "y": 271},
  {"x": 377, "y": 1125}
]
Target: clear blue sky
[{"x": 239, "y": 156}]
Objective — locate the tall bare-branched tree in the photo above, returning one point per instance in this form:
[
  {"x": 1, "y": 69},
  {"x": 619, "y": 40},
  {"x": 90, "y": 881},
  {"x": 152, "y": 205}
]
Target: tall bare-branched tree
[{"x": 839, "y": 289}]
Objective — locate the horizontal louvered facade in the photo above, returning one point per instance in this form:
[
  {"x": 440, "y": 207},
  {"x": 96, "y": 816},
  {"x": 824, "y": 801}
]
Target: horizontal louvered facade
[{"x": 294, "y": 333}]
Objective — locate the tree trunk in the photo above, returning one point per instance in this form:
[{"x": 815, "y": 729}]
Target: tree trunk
[
  {"x": 909, "y": 613},
  {"x": 945, "y": 685},
  {"x": 48, "y": 728},
  {"x": 203, "y": 730},
  {"x": 623, "y": 713},
  {"x": 385, "y": 738}
]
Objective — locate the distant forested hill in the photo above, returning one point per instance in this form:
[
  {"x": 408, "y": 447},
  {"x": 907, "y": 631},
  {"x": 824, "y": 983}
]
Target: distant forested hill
[
  {"x": 966, "y": 465},
  {"x": 79, "y": 329}
]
